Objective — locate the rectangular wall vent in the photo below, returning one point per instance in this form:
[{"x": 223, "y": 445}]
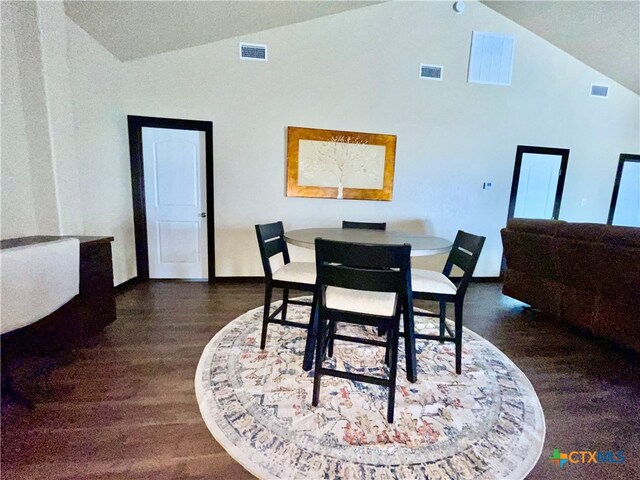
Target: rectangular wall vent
[
  {"x": 431, "y": 72},
  {"x": 491, "y": 58},
  {"x": 601, "y": 91},
  {"x": 251, "y": 51}
]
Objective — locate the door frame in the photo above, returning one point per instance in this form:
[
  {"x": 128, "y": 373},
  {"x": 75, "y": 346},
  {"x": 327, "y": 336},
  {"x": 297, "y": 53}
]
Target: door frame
[
  {"x": 521, "y": 150},
  {"x": 624, "y": 157},
  {"x": 135, "y": 124}
]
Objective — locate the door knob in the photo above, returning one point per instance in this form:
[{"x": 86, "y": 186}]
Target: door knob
[{"x": 203, "y": 214}]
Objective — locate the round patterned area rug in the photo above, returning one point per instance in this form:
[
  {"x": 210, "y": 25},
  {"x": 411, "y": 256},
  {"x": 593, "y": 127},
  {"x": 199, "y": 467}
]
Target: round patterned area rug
[{"x": 485, "y": 423}]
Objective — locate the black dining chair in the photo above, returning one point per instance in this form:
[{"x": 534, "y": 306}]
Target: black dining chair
[
  {"x": 291, "y": 276},
  {"x": 364, "y": 225},
  {"x": 440, "y": 287},
  {"x": 361, "y": 284}
]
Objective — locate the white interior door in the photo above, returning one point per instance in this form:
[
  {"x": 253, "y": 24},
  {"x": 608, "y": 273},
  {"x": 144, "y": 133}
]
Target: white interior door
[
  {"x": 537, "y": 185},
  {"x": 175, "y": 196},
  {"x": 627, "y": 210}
]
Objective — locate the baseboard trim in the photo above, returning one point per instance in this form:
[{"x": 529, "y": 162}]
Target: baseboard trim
[
  {"x": 499, "y": 279},
  {"x": 135, "y": 280},
  {"x": 239, "y": 279},
  {"x": 481, "y": 279},
  {"x": 124, "y": 286},
  {"x": 127, "y": 285},
  {"x": 261, "y": 279}
]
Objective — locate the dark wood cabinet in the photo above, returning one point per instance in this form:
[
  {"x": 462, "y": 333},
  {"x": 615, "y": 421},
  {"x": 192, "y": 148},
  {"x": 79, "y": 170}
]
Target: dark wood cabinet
[
  {"x": 83, "y": 316},
  {"x": 97, "y": 294}
]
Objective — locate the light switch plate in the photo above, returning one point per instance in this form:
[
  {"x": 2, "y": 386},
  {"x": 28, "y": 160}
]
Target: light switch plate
[{"x": 487, "y": 185}]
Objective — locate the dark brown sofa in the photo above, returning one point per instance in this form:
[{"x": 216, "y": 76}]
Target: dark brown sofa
[{"x": 584, "y": 274}]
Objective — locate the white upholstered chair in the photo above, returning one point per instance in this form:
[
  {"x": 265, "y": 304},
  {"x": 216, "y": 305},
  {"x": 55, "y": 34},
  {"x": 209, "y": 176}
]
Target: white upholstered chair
[
  {"x": 361, "y": 284},
  {"x": 292, "y": 275},
  {"x": 436, "y": 286}
]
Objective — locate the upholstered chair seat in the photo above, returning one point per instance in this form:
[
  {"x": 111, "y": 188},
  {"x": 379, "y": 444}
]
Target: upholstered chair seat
[
  {"x": 297, "y": 272},
  {"x": 435, "y": 286},
  {"x": 361, "y": 284},
  {"x": 291, "y": 276},
  {"x": 432, "y": 282},
  {"x": 360, "y": 301}
]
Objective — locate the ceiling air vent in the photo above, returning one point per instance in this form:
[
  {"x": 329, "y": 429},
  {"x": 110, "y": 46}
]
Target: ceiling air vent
[
  {"x": 431, "y": 72},
  {"x": 251, "y": 51},
  {"x": 601, "y": 91},
  {"x": 491, "y": 58}
]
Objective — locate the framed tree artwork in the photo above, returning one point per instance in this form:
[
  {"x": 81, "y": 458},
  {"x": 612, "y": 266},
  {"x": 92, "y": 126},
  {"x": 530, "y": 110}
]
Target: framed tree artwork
[{"x": 337, "y": 164}]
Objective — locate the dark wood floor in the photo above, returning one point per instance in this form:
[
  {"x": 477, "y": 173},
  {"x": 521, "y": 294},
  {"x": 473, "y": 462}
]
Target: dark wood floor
[{"x": 125, "y": 407}]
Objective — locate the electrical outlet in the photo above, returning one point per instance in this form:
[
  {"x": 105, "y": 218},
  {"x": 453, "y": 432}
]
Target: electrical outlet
[{"x": 487, "y": 185}]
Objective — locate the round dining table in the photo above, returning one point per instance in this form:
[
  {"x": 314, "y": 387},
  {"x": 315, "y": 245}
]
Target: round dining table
[{"x": 421, "y": 245}]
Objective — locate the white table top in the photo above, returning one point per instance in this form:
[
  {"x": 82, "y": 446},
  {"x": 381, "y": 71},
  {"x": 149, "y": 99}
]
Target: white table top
[{"x": 421, "y": 245}]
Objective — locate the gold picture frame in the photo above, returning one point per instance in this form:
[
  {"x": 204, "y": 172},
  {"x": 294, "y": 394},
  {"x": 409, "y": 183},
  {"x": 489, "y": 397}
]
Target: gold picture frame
[{"x": 340, "y": 164}]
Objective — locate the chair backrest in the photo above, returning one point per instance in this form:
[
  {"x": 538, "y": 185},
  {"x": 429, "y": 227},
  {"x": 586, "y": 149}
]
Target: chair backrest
[
  {"x": 359, "y": 266},
  {"x": 364, "y": 225},
  {"x": 271, "y": 242},
  {"x": 464, "y": 255}
]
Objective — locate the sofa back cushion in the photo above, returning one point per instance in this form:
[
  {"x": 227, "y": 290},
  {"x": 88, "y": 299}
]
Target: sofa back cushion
[
  {"x": 595, "y": 258},
  {"x": 530, "y": 247}
]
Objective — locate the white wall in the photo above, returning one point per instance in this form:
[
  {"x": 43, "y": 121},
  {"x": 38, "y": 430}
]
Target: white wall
[
  {"x": 102, "y": 148},
  {"x": 359, "y": 71},
  {"x": 18, "y": 213},
  {"x": 65, "y": 164},
  {"x": 52, "y": 23},
  {"x": 29, "y": 198},
  {"x": 354, "y": 71},
  {"x": 42, "y": 190}
]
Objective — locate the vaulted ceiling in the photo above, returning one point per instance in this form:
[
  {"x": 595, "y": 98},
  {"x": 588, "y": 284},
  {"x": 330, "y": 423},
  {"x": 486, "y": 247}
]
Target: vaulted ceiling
[
  {"x": 603, "y": 34},
  {"x": 135, "y": 29}
]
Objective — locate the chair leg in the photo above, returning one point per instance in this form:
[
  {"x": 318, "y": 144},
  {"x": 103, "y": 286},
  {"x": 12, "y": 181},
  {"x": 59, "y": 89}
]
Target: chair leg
[
  {"x": 10, "y": 392},
  {"x": 443, "y": 319},
  {"x": 285, "y": 303},
  {"x": 458, "y": 339},
  {"x": 268, "y": 291},
  {"x": 319, "y": 357},
  {"x": 393, "y": 369},
  {"x": 332, "y": 332},
  {"x": 387, "y": 350},
  {"x": 312, "y": 334},
  {"x": 409, "y": 340}
]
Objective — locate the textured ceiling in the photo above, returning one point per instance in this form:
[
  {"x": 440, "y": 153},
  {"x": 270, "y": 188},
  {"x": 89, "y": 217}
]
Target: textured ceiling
[
  {"x": 135, "y": 29},
  {"x": 604, "y": 35}
]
